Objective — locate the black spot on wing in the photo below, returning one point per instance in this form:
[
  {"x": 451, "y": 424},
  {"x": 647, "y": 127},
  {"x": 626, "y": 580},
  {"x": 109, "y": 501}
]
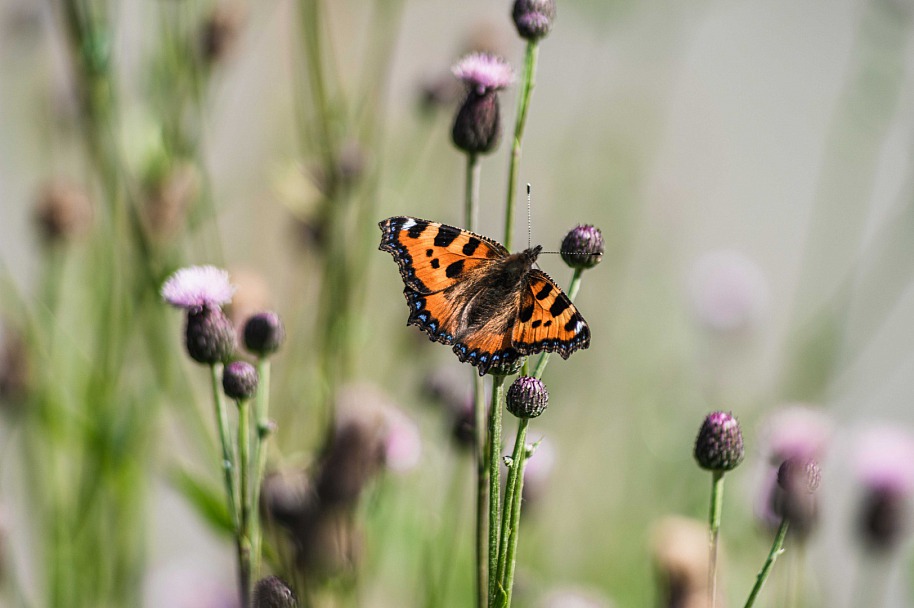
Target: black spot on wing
[
  {"x": 543, "y": 293},
  {"x": 559, "y": 306},
  {"x": 525, "y": 313},
  {"x": 435, "y": 263},
  {"x": 454, "y": 269},
  {"x": 536, "y": 324},
  {"x": 446, "y": 236},
  {"x": 429, "y": 252},
  {"x": 471, "y": 246},
  {"x": 417, "y": 229}
]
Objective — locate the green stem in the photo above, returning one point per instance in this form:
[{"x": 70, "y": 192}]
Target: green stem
[
  {"x": 261, "y": 415},
  {"x": 471, "y": 208},
  {"x": 717, "y": 501},
  {"x": 510, "y": 522},
  {"x": 572, "y": 293},
  {"x": 471, "y": 196},
  {"x": 776, "y": 549},
  {"x": 244, "y": 475},
  {"x": 494, "y": 461},
  {"x": 523, "y": 106},
  {"x": 229, "y": 477},
  {"x": 482, "y": 492}
]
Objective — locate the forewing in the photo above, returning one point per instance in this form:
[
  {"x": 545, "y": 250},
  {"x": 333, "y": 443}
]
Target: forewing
[
  {"x": 547, "y": 320},
  {"x": 433, "y": 257}
]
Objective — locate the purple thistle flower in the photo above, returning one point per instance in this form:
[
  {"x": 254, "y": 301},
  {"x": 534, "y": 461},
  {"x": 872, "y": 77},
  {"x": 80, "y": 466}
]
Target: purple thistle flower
[
  {"x": 884, "y": 459},
  {"x": 482, "y": 72},
  {"x": 196, "y": 287}
]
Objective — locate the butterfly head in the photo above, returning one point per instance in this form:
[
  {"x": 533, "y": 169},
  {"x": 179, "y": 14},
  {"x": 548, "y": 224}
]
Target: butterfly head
[{"x": 530, "y": 255}]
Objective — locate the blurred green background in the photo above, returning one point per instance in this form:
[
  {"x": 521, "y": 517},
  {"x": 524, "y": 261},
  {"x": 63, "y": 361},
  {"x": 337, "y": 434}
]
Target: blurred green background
[{"x": 774, "y": 136}]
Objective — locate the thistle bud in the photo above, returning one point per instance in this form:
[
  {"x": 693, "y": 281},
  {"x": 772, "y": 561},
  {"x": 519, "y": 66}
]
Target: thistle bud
[
  {"x": 798, "y": 480},
  {"x": 210, "y": 336},
  {"x": 477, "y": 127},
  {"x": 63, "y": 211},
  {"x": 239, "y": 380},
  {"x": 273, "y": 592},
  {"x": 583, "y": 247},
  {"x": 264, "y": 333},
  {"x": 527, "y": 397},
  {"x": 719, "y": 445},
  {"x": 533, "y": 18}
]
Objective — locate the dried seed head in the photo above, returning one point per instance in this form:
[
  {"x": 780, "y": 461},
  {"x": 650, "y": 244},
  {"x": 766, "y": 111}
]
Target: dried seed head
[
  {"x": 527, "y": 397},
  {"x": 239, "y": 380},
  {"x": 264, "y": 333},
  {"x": 273, "y": 592},
  {"x": 533, "y": 18},
  {"x": 210, "y": 336},
  {"x": 63, "y": 211},
  {"x": 219, "y": 32},
  {"x": 583, "y": 246},
  {"x": 719, "y": 445}
]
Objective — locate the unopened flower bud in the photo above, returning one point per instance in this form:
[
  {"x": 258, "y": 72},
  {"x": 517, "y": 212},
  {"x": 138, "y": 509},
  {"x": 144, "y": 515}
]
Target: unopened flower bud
[
  {"x": 264, "y": 333},
  {"x": 798, "y": 479},
  {"x": 583, "y": 247},
  {"x": 210, "y": 336},
  {"x": 533, "y": 18},
  {"x": 273, "y": 592},
  {"x": 527, "y": 397},
  {"x": 239, "y": 380},
  {"x": 719, "y": 445},
  {"x": 63, "y": 211}
]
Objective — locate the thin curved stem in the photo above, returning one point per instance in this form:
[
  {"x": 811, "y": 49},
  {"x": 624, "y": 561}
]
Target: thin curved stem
[
  {"x": 523, "y": 105},
  {"x": 717, "y": 501},
  {"x": 777, "y": 547}
]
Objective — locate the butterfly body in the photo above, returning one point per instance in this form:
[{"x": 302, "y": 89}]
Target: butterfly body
[{"x": 468, "y": 291}]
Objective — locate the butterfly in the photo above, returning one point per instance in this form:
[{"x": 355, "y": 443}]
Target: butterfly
[{"x": 468, "y": 291}]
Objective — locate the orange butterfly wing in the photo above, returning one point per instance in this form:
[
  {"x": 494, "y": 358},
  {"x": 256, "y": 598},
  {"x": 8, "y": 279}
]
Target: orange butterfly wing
[
  {"x": 547, "y": 320},
  {"x": 448, "y": 273},
  {"x": 433, "y": 256}
]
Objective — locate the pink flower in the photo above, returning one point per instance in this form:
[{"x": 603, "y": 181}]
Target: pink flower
[
  {"x": 728, "y": 290},
  {"x": 482, "y": 72},
  {"x": 884, "y": 460},
  {"x": 196, "y": 287}
]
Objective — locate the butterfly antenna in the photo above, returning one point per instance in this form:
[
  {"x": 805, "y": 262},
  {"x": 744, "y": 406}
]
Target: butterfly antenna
[{"x": 529, "y": 218}]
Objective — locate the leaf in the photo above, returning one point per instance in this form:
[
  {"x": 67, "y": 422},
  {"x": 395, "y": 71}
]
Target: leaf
[{"x": 207, "y": 498}]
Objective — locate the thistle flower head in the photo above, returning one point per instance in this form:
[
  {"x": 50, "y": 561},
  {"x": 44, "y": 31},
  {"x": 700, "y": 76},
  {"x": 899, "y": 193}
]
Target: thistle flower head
[
  {"x": 719, "y": 445},
  {"x": 239, "y": 380},
  {"x": 728, "y": 291},
  {"x": 533, "y": 18},
  {"x": 527, "y": 397},
  {"x": 796, "y": 431},
  {"x": 264, "y": 333},
  {"x": 884, "y": 459},
  {"x": 209, "y": 335},
  {"x": 583, "y": 246},
  {"x": 273, "y": 592},
  {"x": 196, "y": 287},
  {"x": 482, "y": 73}
]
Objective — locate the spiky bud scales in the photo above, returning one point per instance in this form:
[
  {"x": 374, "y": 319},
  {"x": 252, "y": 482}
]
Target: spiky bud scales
[
  {"x": 209, "y": 335},
  {"x": 527, "y": 397},
  {"x": 719, "y": 445},
  {"x": 239, "y": 380}
]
